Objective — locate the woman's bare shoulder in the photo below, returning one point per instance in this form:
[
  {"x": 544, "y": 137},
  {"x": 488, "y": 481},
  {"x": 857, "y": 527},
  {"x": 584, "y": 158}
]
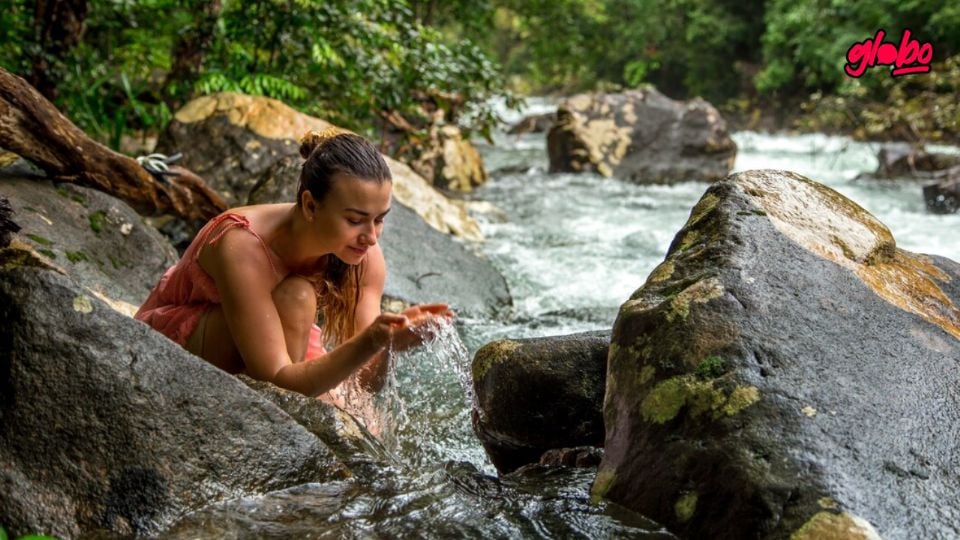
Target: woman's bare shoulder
[{"x": 236, "y": 247}]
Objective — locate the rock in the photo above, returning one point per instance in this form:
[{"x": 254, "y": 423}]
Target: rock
[
  {"x": 14, "y": 166},
  {"x": 106, "y": 425},
  {"x": 943, "y": 197},
  {"x": 581, "y": 456},
  {"x": 534, "y": 395},
  {"x": 424, "y": 266},
  {"x": 246, "y": 148},
  {"x": 901, "y": 160},
  {"x": 641, "y": 136},
  {"x": 787, "y": 371},
  {"x": 535, "y": 123},
  {"x": 97, "y": 239},
  {"x": 459, "y": 166}
]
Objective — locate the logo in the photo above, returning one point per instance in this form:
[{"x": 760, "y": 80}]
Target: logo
[{"x": 909, "y": 57}]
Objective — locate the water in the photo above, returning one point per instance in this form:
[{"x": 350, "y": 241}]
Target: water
[{"x": 572, "y": 248}]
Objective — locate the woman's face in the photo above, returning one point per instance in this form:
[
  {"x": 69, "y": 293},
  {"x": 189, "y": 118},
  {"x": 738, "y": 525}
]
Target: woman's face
[{"x": 349, "y": 220}]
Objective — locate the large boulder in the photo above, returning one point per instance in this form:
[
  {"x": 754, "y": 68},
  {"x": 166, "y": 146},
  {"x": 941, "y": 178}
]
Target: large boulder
[
  {"x": 426, "y": 266},
  {"x": 902, "y": 160},
  {"x": 535, "y": 395},
  {"x": 245, "y": 148},
  {"x": 787, "y": 371},
  {"x": 107, "y": 425},
  {"x": 99, "y": 240},
  {"x": 641, "y": 136}
]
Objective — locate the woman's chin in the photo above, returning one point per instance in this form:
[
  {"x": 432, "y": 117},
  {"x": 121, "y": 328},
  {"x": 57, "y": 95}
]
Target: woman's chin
[{"x": 351, "y": 257}]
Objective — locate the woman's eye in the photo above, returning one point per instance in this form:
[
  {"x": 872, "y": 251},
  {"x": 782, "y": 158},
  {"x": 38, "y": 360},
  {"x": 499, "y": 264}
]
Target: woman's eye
[
  {"x": 378, "y": 222},
  {"x": 354, "y": 221}
]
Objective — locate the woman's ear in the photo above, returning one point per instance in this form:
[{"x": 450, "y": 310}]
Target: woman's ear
[{"x": 308, "y": 205}]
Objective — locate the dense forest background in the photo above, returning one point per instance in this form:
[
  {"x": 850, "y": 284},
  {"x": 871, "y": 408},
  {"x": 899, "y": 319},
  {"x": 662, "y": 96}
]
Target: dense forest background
[{"x": 120, "y": 68}]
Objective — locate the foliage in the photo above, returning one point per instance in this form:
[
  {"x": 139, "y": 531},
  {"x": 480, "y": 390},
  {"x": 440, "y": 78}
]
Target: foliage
[
  {"x": 352, "y": 61},
  {"x": 915, "y": 109},
  {"x": 805, "y": 41},
  {"x": 346, "y": 60}
]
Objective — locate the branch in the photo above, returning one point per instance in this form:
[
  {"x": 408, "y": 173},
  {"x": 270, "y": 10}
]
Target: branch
[{"x": 33, "y": 128}]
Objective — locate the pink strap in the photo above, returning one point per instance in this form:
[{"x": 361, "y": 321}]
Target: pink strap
[{"x": 243, "y": 223}]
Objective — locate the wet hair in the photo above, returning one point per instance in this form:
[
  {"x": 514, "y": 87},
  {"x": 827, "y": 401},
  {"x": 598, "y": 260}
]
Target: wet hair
[{"x": 331, "y": 155}]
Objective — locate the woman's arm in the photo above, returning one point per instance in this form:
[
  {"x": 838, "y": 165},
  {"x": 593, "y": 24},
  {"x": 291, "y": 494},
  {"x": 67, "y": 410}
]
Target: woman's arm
[
  {"x": 373, "y": 375},
  {"x": 244, "y": 279}
]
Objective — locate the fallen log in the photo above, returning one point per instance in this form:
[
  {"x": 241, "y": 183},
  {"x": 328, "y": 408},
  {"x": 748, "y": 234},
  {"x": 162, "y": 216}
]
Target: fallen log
[{"x": 33, "y": 128}]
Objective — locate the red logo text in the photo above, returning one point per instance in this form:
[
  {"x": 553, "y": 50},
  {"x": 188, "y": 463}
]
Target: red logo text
[{"x": 909, "y": 57}]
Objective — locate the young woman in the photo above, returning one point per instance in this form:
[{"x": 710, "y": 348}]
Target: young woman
[{"x": 246, "y": 293}]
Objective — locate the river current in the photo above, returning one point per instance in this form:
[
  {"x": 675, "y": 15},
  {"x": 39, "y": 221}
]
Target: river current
[{"x": 572, "y": 248}]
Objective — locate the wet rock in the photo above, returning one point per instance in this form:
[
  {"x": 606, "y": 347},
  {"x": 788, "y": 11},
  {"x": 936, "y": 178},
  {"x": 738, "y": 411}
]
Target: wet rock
[
  {"x": 769, "y": 369},
  {"x": 641, "y": 136},
  {"x": 97, "y": 239},
  {"x": 943, "y": 197},
  {"x": 581, "y": 456},
  {"x": 425, "y": 266},
  {"x": 247, "y": 149},
  {"x": 902, "y": 160},
  {"x": 14, "y": 166},
  {"x": 347, "y": 438},
  {"x": 534, "y": 395},
  {"x": 535, "y": 123},
  {"x": 107, "y": 425}
]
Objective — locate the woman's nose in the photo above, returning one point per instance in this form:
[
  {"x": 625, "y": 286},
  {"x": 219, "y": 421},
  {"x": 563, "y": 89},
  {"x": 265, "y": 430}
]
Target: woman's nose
[{"x": 369, "y": 235}]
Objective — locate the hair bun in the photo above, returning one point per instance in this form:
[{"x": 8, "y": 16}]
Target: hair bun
[{"x": 313, "y": 139}]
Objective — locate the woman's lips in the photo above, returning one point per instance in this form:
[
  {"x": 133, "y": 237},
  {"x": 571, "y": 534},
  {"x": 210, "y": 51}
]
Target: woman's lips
[{"x": 358, "y": 251}]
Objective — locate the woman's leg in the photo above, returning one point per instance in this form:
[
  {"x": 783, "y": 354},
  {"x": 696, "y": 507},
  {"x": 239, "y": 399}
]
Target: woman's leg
[{"x": 296, "y": 304}]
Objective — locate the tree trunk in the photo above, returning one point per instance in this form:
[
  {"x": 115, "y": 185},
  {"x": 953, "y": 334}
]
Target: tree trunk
[
  {"x": 189, "y": 51},
  {"x": 33, "y": 128},
  {"x": 58, "y": 27}
]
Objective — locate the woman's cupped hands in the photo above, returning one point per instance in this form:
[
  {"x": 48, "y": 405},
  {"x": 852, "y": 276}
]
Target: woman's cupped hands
[{"x": 413, "y": 326}]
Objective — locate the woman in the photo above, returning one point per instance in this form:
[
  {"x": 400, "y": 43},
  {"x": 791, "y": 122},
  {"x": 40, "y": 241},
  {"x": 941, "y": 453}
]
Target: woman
[{"x": 245, "y": 294}]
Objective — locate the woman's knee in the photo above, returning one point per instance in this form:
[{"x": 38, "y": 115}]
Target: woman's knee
[{"x": 296, "y": 300}]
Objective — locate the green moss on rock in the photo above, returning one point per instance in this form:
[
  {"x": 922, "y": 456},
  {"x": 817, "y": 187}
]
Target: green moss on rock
[
  {"x": 76, "y": 256},
  {"x": 831, "y": 526},
  {"x": 711, "y": 367},
  {"x": 97, "y": 220},
  {"x": 40, "y": 240},
  {"x": 668, "y": 398},
  {"x": 602, "y": 484},
  {"x": 685, "y": 507},
  {"x": 646, "y": 374},
  {"x": 664, "y": 402},
  {"x": 490, "y": 354}
]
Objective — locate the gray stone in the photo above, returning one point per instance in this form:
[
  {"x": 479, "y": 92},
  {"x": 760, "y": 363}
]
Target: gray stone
[
  {"x": 99, "y": 240},
  {"x": 787, "y": 370},
  {"x": 424, "y": 265},
  {"x": 107, "y": 425},
  {"x": 534, "y": 395},
  {"x": 641, "y": 136}
]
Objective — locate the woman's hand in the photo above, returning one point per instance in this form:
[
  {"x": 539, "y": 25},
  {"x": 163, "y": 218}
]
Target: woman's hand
[
  {"x": 382, "y": 329},
  {"x": 421, "y": 321}
]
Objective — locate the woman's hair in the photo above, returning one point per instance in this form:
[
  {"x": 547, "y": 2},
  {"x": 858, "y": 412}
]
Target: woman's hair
[{"x": 330, "y": 153}]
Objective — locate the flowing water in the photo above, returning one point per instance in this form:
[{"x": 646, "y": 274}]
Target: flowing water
[{"x": 572, "y": 248}]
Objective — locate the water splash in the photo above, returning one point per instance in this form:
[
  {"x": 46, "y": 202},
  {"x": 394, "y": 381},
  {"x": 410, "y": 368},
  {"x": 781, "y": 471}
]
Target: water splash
[{"x": 422, "y": 413}]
